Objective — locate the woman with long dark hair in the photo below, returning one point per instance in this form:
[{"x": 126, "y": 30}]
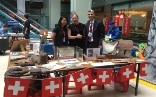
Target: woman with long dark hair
[{"x": 59, "y": 34}]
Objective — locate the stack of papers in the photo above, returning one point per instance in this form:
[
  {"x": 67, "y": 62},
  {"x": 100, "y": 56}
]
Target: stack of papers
[
  {"x": 120, "y": 60},
  {"x": 53, "y": 66},
  {"x": 17, "y": 57},
  {"x": 69, "y": 61}
]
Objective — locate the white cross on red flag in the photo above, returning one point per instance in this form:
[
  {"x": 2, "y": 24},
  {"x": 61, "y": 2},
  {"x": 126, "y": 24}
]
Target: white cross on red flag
[
  {"x": 104, "y": 76},
  {"x": 143, "y": 69},
  {"x": 82, "y": 78},
  {"x": 16, "y": 87},
  {"x": 127, "y": 72},
  {"x": 52, "y": 87}
]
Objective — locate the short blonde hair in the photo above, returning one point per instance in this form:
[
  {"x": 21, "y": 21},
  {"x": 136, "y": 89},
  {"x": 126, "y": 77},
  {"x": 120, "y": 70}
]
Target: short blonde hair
[{"x": 75, "y": 14}]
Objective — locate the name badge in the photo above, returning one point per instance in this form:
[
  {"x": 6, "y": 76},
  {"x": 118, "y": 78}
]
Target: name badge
[
  {"x": 90, "y": 34},
  {"x": 64, "y": 39}
]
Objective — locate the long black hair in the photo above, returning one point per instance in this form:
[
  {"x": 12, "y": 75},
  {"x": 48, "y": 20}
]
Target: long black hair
[{"x": 59, "y": 22}]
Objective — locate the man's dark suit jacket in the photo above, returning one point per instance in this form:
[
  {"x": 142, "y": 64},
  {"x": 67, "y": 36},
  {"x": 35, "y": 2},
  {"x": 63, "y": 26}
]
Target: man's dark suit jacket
[{"x": 98, "y": 34}]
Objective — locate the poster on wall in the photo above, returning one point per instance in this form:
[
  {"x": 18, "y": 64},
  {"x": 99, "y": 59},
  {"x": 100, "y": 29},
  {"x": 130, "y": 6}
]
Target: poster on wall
[
  {"x": 116, "y": 20},
  {"x": 126, "y": 26}
]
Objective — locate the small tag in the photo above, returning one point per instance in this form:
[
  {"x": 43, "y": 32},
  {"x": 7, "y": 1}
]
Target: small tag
[
  {"x": 64, "y": 39},
  {"x": 91, "y": 39},
  {"x": 90, "y": 34}
]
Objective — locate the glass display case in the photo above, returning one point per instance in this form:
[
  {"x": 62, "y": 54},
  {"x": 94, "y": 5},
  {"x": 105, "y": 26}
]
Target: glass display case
[{"x": 68, "y": 52}]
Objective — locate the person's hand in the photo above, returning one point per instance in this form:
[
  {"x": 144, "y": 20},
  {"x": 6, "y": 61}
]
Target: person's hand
[
  {"x": 100, "y": 46},
  {"x": 79, "y": 36}
]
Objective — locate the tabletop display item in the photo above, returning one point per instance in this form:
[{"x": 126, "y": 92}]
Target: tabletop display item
[{"x": 43, "y": 58}]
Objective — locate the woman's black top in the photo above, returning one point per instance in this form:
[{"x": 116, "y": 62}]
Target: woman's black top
[
  {"x": 61, "y": 38},
  {"x": 77, "y": 29}
]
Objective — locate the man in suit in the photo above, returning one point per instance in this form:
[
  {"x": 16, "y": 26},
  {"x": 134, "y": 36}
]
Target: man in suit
[{"x": 94, "y": 31}]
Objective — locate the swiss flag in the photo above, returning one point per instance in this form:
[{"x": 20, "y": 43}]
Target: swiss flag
[
  {"x": 127, "y": 72},
  {"x": 82, "y": 78},
  {"x": 16, "y": 87},
  {"x": 104, "y": 76},
  {"x": 52, "y": 87},
  {"x": 143, "y": 69}
]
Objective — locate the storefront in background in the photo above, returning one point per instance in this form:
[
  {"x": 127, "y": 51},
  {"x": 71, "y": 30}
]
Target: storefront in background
[{"x": 140, "y": 14}]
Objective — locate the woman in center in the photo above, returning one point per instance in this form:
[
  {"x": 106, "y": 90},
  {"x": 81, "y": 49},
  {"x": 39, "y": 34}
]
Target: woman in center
[{"x": 76, "y": 32}]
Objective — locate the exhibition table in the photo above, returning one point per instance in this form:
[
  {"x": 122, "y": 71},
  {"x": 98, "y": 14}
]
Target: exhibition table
[{"x": 62, "y": 72}]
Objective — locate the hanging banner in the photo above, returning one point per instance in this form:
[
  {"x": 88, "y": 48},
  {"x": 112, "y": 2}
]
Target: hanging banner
[
  {"x": 121, "y": 16},
  {"x": 16, "y": 87},
  {"x": 52, "y": 87},
  {"x": 106, "y": 24},
  {"x": 82, "y": 78},
  {"x": 116, "y": 20},
  {"x": 127, "y": 72},
  {"x": 143, "y": 69},
  {"x": 126, "y": 26},
  {"x": 104, "y": 76}
]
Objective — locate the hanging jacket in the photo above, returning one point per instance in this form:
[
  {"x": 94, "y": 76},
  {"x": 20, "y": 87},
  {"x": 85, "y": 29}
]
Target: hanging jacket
[{"x": 113, "y": 32}]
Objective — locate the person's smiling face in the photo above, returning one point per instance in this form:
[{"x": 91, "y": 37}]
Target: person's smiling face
[
  {"x": 64, "y": 21},
  {"x": 75, "y": 19},
  {"x": 91, "y": 15}
]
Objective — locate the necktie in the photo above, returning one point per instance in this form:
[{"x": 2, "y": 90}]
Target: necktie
[
  {"x": 91, "y": 26},
  {"x": 90, "y": 32}
]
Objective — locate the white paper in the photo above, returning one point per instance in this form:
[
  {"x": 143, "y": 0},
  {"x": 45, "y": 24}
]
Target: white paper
[
  {"x": 58, "y": 67},
  {"x": 17, "y": 57},
  {"x": 53, "y": 66},
  {"x": 121, "y": 60},
  {"x": 102, "y": 64},
  {"x": 34, "y": 46},
  {"x": 69, "y": 61}
]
